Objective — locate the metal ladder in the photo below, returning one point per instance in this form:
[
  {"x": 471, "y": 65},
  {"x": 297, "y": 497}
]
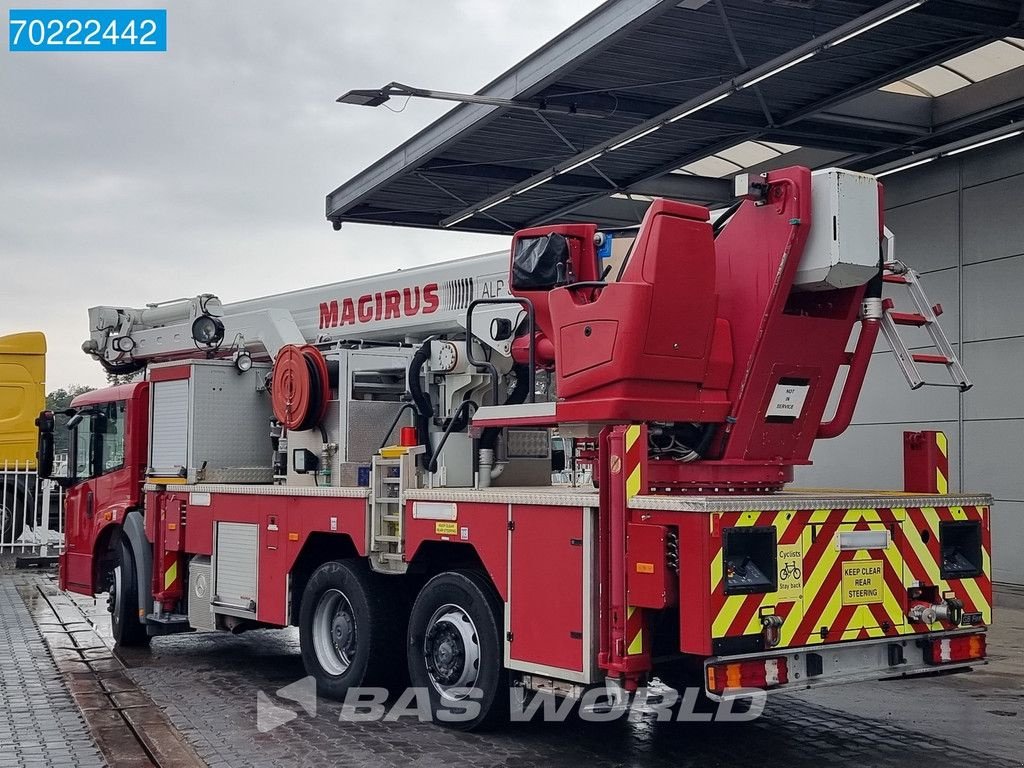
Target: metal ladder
[
  {"x": 393, "y": 472},
  {"x": 926, "y": 316}
]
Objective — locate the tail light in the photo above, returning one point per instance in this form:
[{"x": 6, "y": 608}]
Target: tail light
[
  {"x": 758, "y": 673},
  {"x": 953, "y": 649}
]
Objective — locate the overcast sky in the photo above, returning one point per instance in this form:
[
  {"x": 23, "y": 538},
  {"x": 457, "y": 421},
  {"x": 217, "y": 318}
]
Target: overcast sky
[{"x": 131, "y": 178}]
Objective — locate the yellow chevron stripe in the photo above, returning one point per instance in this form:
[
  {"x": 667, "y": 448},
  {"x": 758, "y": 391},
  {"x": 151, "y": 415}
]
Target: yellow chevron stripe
[
  {"x": 632, "y": 435},
  {"x": 913, "y": 538},
  {"x": 727, "y": 615},
  {"x": 633, "y": 482},
  {"x": 941, "y": 484},
  {"x": 716, "y": 570},
  {"x": 942, "y": 443},
  {"x": 636, "y": 646},
  {"x": 170, "y": 575}
]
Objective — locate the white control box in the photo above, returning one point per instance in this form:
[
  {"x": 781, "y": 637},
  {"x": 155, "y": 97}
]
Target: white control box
[{"x": 843, "y": 247}]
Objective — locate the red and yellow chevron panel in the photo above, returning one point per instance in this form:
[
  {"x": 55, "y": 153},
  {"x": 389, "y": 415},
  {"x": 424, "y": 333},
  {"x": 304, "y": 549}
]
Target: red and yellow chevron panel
[{"x": 846, "y": 574}]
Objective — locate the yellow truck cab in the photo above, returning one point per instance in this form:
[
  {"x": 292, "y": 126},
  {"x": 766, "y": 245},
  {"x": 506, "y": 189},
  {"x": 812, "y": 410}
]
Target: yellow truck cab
[{"x": 22, "y": 395}]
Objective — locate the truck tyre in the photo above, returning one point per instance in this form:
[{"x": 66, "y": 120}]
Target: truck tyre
[
  {"x": 455, "y": 651},
  {"x": 350, "y": 628},
  {"x": 123, "y": 599}
]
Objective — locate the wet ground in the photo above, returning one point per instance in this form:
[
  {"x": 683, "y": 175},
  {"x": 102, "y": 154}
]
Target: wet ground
[{"x": 207, "y": 687}]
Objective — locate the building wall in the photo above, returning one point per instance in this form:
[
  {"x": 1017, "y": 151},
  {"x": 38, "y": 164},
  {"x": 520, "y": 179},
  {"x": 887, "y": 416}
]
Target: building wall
[{"x": 960, "y": 222}]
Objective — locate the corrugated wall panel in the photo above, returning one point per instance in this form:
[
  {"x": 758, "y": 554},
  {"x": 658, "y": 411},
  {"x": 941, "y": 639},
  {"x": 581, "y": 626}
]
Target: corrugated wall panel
[{"x": 959, "y": 222}]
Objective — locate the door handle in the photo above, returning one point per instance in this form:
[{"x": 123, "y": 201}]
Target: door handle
[{"x": 89, "y": 504}]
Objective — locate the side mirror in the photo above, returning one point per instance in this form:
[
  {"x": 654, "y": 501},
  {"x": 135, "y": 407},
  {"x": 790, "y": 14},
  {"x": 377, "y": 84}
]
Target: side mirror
[
  {"x": 44, "y": 444},
  {"x": 75, "y": 420}
]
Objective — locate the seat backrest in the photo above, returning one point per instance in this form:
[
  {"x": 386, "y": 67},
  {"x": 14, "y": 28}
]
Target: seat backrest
[{"x": 675, "y": 253}]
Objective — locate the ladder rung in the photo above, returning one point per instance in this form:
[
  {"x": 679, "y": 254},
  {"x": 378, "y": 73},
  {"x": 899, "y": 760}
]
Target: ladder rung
[
  {"x": 388, "y": 539},
  {"x": 909, "y": 318},
  {"x": 387, "y": 500},
  {"x": 937, "y": 359},
  {"x": 898, "y": 279},
  {"x": 391, "y": 518},
  {"x": 391, "y": 556}
]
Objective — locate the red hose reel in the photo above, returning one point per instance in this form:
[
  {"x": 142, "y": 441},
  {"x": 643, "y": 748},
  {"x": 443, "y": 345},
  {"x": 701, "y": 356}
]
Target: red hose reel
[{"x": 301, "y": 387}]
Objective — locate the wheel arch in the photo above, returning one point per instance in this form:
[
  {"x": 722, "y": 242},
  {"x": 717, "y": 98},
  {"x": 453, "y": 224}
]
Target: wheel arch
[
  {"x": 134, "y": 532},
  {"x": 318, "y": 548},
  {"x": 434, "y": 557}
]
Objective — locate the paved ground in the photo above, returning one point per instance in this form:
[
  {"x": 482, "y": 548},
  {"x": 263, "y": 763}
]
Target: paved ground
[
  {"x": 39, "y": 721},
  {"x": 207, "y": 686}
]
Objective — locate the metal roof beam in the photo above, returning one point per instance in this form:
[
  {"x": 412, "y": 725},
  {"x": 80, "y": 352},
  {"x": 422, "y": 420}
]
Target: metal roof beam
[
  {"x": 685, "y": 187},
  {"x": 986, "y": 98}
]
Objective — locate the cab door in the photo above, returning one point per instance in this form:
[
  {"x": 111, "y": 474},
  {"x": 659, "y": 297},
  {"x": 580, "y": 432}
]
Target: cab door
[{"x": 101, "y": 489}]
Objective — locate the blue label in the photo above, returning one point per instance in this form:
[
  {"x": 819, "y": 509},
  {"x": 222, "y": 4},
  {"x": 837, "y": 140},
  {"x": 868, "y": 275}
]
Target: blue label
[{"x": 46, "y": 29}]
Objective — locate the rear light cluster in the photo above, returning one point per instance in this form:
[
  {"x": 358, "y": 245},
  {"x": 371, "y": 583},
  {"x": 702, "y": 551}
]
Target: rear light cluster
[
  {"x": 953, "y": 649},
  {"x": 758, "y": 673}
]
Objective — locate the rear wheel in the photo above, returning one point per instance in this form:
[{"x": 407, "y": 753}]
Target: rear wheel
[
  {"x": 455, "y": 653},
  {"x": 350, "y": 628},
  {"x": 123, "y": 599}
]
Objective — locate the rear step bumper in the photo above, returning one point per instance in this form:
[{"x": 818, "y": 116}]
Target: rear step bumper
[{"x": 877, "y": 659}]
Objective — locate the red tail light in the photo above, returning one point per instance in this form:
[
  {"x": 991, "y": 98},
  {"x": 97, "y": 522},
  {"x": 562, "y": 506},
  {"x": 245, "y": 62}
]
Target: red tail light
[
  {"x": 953, "y": 649},
  {"x": 758, "y": 673}
]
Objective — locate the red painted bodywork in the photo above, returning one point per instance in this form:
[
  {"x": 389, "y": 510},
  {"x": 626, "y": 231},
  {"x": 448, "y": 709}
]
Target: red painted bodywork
[
  {"x": 295, "y": 518},
  {"x": 95, "y": 504},
  {"x": 701, "y": 328}
]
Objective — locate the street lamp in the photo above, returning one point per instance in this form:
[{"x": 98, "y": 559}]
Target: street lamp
[{"x": 374, "y": 97}]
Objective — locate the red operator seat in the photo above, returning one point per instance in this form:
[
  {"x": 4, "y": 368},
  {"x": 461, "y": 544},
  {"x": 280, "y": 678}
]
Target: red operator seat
[{"x": 648, "y": 346}]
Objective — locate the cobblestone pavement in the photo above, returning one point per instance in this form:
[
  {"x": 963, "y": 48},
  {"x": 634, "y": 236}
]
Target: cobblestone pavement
[
  {"x": 39, "y": 721},
  {"x": 207, "y": 684}
]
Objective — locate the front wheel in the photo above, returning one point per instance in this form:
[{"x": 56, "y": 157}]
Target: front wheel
[
  {"x": 455, "y": 649},
  {"x": 123, "y": 599}
]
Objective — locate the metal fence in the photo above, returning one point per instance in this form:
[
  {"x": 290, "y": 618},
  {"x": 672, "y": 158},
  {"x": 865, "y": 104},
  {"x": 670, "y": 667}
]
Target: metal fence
[{"x": 31, "y": 511}]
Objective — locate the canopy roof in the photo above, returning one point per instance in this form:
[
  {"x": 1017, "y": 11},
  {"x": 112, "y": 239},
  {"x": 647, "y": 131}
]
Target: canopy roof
[{"x": 673, "y": 98}]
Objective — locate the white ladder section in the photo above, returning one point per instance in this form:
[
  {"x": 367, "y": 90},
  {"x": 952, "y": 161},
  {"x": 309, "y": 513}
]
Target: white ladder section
[
  {"x": 391, "y": 477},
  {"x": 926, "y": 317}
]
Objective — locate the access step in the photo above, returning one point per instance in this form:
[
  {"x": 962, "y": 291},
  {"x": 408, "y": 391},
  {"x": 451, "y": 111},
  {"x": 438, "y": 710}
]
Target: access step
[{"x": 167, "y": 624}]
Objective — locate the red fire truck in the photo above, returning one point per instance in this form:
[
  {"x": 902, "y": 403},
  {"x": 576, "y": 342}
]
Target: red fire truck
[{"x": 371, "y": 461}]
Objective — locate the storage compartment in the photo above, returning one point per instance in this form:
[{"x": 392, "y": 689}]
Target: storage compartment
[
  {"x": 209, "y": 423},
  {"x": 235, "y": 565},
  {"x": 961, "y": 549},
  {"x": 748, "y": 560},
  {"x": 842, "y": 248},
  {"x": 200, "y": 590}
]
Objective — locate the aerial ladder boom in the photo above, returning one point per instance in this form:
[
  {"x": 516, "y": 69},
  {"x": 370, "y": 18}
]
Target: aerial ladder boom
[{"x": 403, "y": 306}]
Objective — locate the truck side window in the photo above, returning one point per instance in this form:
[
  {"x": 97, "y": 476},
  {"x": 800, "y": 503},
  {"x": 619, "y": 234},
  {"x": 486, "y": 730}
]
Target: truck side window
[
  {"x": 83, "y": 448},
  {"x": 113, "y": 437}
]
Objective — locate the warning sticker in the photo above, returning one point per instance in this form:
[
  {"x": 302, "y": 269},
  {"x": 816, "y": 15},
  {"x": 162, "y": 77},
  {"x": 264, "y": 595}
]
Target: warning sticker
[
  {"x": 862, "y": 582},
  {"x": 790, "y": 558},
  {"x": 446, "y": 528},
  {"x": 787, "y": 400}
]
